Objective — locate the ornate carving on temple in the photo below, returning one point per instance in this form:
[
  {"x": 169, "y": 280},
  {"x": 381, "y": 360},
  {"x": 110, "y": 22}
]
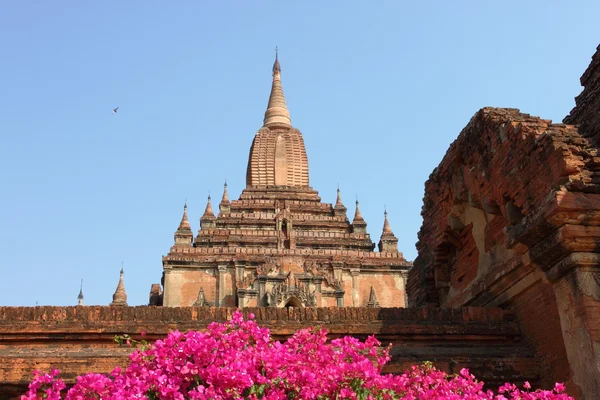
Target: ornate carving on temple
[
  {"x": 291, "y": 293},
  {"x": 284, "y": 227},
  {"x": 372, "y": 299},
  {"x": 201, "y": 299}
]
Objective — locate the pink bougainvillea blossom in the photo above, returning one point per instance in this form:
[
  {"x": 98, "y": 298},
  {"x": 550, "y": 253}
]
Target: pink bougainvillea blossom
[{"x": 239, "y": 360}]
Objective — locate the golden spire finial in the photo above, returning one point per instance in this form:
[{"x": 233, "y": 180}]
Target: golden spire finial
[{"x": 277, "y": 112}]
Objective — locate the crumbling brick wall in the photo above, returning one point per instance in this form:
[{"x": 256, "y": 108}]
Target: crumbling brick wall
[
  {"x": 511, "y": 218},
  {"x": 586, "y": 113}
]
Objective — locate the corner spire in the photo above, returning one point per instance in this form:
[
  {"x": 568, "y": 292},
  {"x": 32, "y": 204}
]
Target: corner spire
[
  {"x": 208, "y": 219},
  {"x": 277, "y": 112},
  {"x": 338, "y": 200},
  {"x": 183, "y": 234},
  {"x": 339, "y": 209},
  {"x": 386, "y": 224},
  {"x": 185, "y": 223},
  {"x": 80, "y": 296},
  {"x": 208, "y": 211},
  {"x": 358, "y": 224},
  {"x": 120, "y": 296},
  {"x": 357, "y": 215},
  {"x": 225, "y": 204},
  {"x": 388, "y": 241}
]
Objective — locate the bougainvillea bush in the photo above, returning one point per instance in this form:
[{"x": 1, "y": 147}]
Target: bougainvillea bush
[{"x": 239, "y": 360}]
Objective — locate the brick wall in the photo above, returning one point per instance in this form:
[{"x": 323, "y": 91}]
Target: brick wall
[
  {"x": 587, "y": 104},
  {"x": 79, "y": 339}
]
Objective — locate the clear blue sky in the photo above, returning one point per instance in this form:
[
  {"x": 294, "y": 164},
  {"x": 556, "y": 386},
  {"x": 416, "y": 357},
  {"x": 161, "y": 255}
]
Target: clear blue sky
[{"x": 379, "y": 90}]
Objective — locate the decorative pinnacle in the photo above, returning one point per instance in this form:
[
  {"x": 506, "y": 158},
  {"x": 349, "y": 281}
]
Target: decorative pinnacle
[
  {"x": 357, "y": 215},
  {"x": 338, "y": 200},
  {"x": 277, "y": 112},
  {"x": 276, "y": 66},
  {"x": 225, "y": 198},
  {"x": 185, "y": 223},
  {"x": 80, "y": 296},
  {"x": 387, "y": 229},
  {"x": 120, "y": 296},
  {"x": 208, "y": 212}
]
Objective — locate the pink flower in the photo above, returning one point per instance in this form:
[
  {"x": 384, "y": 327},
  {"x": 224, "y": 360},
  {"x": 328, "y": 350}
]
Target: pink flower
[{"x": 239, "y": 359}]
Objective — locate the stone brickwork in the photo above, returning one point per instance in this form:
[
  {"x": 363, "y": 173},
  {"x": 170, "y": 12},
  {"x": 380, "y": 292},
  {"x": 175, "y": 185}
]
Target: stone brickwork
[
  {"x": 586, "y": 113},
  {"x": 511, "y": 218},
  {"x": 80, "y": 339},
  {"x": 279, "y": 245}
]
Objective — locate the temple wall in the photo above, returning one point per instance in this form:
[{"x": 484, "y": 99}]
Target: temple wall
[
  {"x": 545, "y": 331},
  {"x": 585, "y": 113},
  {"x": 511, "y": 219},
  {"x": 80, "y": 339},
  {"x": 182, "y": 286},
  {"x": 388, "y": 287}
]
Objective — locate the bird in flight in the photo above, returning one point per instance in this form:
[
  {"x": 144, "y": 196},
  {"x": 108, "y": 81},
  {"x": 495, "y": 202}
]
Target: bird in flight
[{"x": 115, "y": 110}]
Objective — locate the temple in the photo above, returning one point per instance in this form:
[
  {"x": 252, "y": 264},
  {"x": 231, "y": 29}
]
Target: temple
[
  {"x": 506, "y": 281},
  {"x": 279, "y": 245}
]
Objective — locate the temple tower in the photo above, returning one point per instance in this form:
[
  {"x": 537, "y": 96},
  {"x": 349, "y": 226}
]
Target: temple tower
[{"x": 279, "y": 244}]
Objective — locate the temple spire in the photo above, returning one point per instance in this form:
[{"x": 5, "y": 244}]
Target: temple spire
[
  {"x": 277, "y": 112},
  {"x": 357, "y": 215},
  {"x": 208, "y": 219},
  {"x": 225, "y": 197},
  {"x": 358, "y": 224},
  {"x": 120, "y": 296},
  {"x": 225, "y": 204},
  {"x": 185, "y": 223},
  {"x": 208, "y": 211},
  {"x": 339, "y": 209},
  {"x": 80, "y": 296},
  {"x": 388, "y": 241},
  {"x": 386, "y": 224},
  {"x": 338, "y": 200},
  {"x": 184, "y": 235}
]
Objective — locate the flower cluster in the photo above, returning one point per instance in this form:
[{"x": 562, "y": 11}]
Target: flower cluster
[{"x": 239, "y": 360}]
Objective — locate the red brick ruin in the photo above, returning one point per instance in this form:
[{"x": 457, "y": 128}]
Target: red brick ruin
[{"x": 506, "y": 282}]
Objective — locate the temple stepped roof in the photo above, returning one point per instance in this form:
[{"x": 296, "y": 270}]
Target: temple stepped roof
[{"x": 278, "y": 213}]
